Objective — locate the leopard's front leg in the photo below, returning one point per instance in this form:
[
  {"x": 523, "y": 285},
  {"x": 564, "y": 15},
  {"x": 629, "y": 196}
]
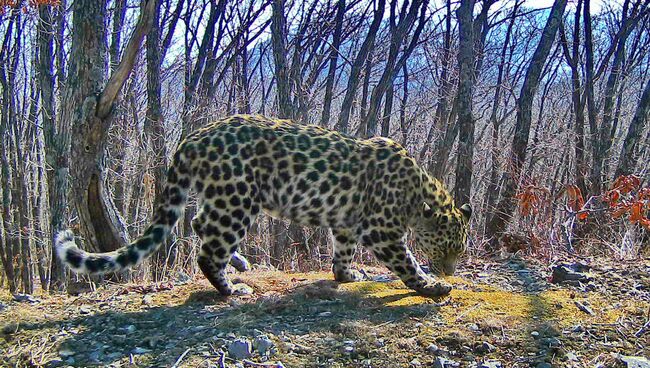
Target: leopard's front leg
[{"x": 389, "y": 248}]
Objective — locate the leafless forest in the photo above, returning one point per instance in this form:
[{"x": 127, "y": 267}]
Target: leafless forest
[{"x": 534, "y": 111}]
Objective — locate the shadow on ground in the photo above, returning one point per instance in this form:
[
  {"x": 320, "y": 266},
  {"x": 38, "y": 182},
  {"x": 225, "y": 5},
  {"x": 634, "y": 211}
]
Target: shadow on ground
[{"x": 160, "y": 335}]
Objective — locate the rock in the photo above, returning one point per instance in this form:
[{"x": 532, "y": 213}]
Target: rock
[
  {"x": 634, "y": 361},
  {"x": 490, "y": 364},
  {"x": 584, "y": 307},
  {"x": 84, "y": 309},
  {"x": 486, "y": 347},
  {"x": 240, "y": 349},
  {"x": 441, "y": 362},
  {"x": 56, "y": 362},
  {"x": 415, "y": 363},
  {"x": 147, "y": 300},
  {"x": 129, "y": 329},
  {"x": 139, "y": 350},
  {"x": 433, "y": 348},
  {"x": 96, "y": 356},
  {"x": 64, "y": 353},
  {"x": 26, "y": 298},
  {"x": 534, "y": 334},
  {"x": 325, "y": 314},
  {"x": 543, "y": 365},
  {"x": 10, "y": 328},
  {"x": 571, "y": 356},
  {"x": 264, "y": 345},
  {"x": 3, "y": 306},
  {"x": 571, "y": 273},
  {"x": 182, "y": 278}
]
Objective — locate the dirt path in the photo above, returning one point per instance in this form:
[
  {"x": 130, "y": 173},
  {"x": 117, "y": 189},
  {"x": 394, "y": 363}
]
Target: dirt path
[{"x": 499, "y": 314}]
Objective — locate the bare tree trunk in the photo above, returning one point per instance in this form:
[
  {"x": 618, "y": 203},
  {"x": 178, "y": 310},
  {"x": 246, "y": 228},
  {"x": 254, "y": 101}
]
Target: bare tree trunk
[
  {"x": 334, "y": 57},
  {"x": 90, "y": 111},
  {"x": 56, "y": 136},
  {"x": 573, "y": 59},
  {"x": 442, "y": 107},
  {"x": 630, "y": 151},
  {"x": 464, "y": 167},
  {"x": 492, "y": 193},
  {"x": 278, "y": 39},
  {"x": 399, "y": 33},
  {"x": 353, "y": 80},
  {"x": 8, "y": 66},
  {"x": 506, "y": 205},
  {"x": 153, "y": 127}
]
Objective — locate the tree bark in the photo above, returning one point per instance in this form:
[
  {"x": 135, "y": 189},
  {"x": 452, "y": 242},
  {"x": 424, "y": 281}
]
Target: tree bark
[
  {"x": 153, "y": 126},
  {"x": 492, "y": 193},
  {"x": 334, "y": 57},
  {"x": 89, "y": 110},
  {"x": 630, "y": 151},
  {"x": 278, "y": 39},
  {"x": 506, "y": 205},
  {"x": 573, "y": 59},
  {"x": 399, "y": 33},
  {"x": 353, "y": 80},
  {"x": 464, "y": 167}
]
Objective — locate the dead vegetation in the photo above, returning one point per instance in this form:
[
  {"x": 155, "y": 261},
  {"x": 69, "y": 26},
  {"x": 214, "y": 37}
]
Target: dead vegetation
[{"x": 506, "y": 313}]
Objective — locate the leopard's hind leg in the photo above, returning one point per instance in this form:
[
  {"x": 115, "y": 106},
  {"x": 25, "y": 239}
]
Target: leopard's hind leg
[
  {"x": 223, "y": 222},
  {"x": 238, "y": 261},
  {"x": 344, "y": 247}
]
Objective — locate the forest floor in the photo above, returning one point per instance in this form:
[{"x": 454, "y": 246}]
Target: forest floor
[{"x": 499, "y": 314}]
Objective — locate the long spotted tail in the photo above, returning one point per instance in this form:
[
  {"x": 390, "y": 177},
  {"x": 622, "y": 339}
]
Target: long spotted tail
[{"x": 167, "y": 214}]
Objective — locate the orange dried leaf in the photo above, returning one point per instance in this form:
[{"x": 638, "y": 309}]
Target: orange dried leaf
[
  {"x": 620, "y": 211},
  {"x": 637, "y": 212}
]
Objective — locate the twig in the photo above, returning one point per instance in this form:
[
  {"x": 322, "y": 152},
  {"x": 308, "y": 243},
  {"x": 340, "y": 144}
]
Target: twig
[
  {"x": 460, "y": 317},
  {"x": 222, "y": 360},
  {"x": 268, "y": 365},
  {"x": 178, "y": 361},
  {"x": 643, "y": 329}
]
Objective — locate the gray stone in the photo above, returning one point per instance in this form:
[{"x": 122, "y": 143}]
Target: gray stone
[
  {"x": 84, "y": 309},
  {"x": 491, "y": 364},
  {"x": 139, "y": 350},
  {"x": 634, "y": 361},
  {"x": 26, "y": 298},
  {"x": 441, "y": 362},
  {"x": 182, "y": 278},
  {"x": 64, "y": 353},
  {"x": 240, "y": 349},
  {"x": 433, "y": 348},
  {"x": 486, "y": 347},
  {"x": 264, "y": 345},
  {"x": 147, "y": 300},
  {"x": 569, "y": 273}
]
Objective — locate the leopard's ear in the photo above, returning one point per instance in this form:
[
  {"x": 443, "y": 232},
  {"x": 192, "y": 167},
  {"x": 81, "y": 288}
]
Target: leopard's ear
[
  {"x": 466, "y": 210},
  {"x": 426, "y": 210}
]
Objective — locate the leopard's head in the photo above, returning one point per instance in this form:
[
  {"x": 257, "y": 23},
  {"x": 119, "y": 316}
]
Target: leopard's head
[{"x": 442, "y": 236}]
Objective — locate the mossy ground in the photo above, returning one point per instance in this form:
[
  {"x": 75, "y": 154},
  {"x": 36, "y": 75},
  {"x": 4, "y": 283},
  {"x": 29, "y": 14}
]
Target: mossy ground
[{"x": 316, "y": 322}]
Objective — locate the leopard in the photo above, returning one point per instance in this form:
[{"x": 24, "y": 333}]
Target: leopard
[{"x": 366, "y": 191}]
